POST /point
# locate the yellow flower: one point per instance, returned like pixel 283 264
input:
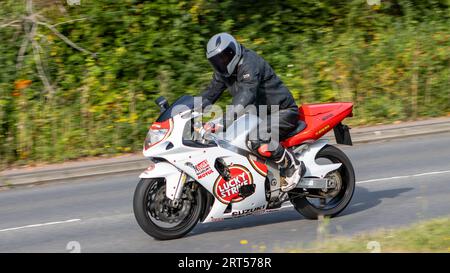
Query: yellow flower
pixel 244 242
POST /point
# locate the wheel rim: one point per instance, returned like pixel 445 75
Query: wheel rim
pixel 164 216
pixel 334 197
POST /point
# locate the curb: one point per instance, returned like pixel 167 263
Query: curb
pixel 389 132
pixel 68 173
pixel 135 163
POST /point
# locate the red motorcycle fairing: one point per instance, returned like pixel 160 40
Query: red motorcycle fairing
pixel 319 118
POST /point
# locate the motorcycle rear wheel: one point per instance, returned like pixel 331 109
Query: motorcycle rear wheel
pixel 340 200
pixel 142 204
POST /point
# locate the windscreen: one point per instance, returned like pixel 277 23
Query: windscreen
pixel 181 104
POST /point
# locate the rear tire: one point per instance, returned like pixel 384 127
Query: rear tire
pixel 309 210
pixel 141 211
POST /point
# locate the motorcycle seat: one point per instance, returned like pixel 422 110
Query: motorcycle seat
pixel 301 125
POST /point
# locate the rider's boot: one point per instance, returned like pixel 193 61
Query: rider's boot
pixel 293 170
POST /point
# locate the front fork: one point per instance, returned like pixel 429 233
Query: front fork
pixel 179 188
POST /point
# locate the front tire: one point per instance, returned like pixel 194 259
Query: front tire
pixel 337 203
pixel 166 227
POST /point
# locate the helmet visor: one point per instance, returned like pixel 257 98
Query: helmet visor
pixel 222 60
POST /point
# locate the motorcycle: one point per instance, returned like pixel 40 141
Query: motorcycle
pixel 194 178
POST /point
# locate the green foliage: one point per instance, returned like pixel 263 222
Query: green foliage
pixel 392 60
pixel 425 237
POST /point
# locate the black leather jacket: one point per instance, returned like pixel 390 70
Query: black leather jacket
pixel 254 82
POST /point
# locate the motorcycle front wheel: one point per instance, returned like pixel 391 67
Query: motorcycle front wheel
pixel 159 217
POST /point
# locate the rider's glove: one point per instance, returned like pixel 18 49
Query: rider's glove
pixel 211 127
pixel 206 128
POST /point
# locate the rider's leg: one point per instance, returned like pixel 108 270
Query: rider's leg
pixel 292 169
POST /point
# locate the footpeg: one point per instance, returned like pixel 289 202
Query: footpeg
pixel 246 190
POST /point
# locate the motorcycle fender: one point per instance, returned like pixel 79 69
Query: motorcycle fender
pixel 312 168
pixel 170 173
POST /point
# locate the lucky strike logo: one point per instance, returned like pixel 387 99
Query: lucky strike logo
pixel 228 191
pixel 202 169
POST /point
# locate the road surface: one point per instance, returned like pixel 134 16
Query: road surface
pixel 399 182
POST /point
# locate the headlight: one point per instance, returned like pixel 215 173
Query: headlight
pixel 154 136
pixel 158 132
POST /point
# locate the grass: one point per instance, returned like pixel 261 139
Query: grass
pixel 428 236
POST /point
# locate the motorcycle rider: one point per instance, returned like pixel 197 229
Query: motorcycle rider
pixel 252 81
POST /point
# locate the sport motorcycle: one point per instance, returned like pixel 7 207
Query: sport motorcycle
pixel 195 176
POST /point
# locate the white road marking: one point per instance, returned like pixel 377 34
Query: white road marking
pixel 402 177
pixel 388 178
pixel 283 207
pixel 41 225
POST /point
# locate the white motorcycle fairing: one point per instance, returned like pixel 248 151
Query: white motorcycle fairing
pixel 183 163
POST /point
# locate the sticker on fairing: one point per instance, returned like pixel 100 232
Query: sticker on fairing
pixel 203 169
pixel 228 191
